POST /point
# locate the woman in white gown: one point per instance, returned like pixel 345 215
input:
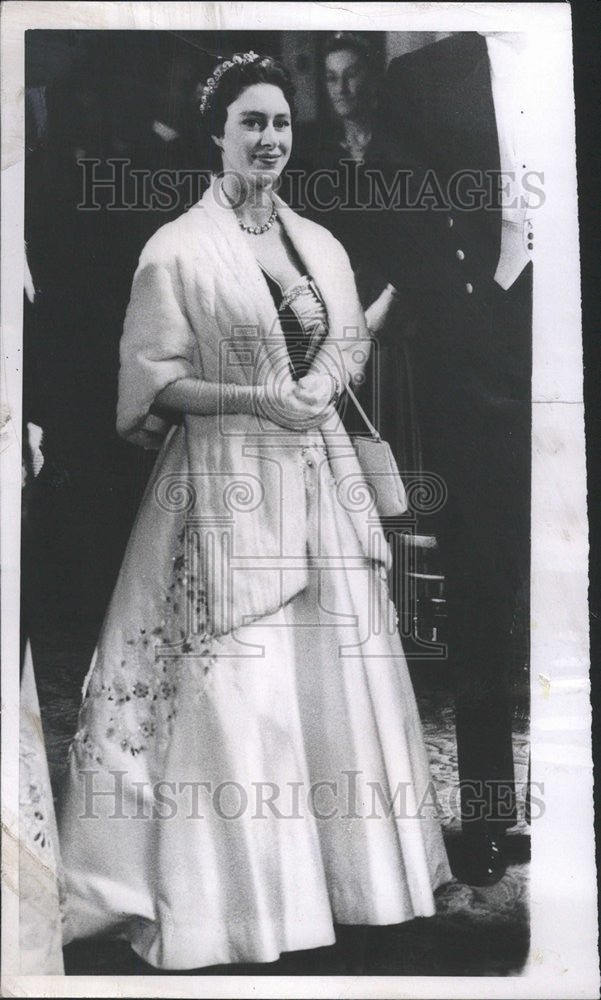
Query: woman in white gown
pixel 249 767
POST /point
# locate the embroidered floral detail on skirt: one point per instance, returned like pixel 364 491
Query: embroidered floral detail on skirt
pixel 136 680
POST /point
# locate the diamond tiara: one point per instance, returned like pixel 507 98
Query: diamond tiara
pixel 239 59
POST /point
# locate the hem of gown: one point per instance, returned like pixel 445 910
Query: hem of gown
pixel 269 955
pixel 264 956
pixel 155 933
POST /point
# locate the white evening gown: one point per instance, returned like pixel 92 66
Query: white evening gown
pixel 264 789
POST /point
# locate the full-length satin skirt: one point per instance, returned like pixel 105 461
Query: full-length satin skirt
pixel 235 805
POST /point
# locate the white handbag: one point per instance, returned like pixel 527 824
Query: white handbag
pixel 379 467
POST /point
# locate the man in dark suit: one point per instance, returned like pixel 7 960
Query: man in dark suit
pixel 463 262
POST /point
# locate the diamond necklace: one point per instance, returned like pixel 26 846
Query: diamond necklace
pixel 254 230
pixel 258 230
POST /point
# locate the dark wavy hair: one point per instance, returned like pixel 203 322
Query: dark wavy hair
pixel 233 82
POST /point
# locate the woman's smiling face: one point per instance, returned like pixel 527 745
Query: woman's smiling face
pixel 257 137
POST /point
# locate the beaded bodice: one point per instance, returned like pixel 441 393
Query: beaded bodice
pixel 303 319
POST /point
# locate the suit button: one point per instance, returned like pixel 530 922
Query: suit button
pixel 460 255
pixel 469 288
pixel 450 221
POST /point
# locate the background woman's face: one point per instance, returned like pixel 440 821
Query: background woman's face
pixel 257 137
pixel 346 82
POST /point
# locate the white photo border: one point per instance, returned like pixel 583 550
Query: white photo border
pixel 563 959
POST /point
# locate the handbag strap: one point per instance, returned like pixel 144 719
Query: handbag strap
pixel 372 430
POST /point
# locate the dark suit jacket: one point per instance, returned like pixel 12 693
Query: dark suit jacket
pixel 472 357
pixel 440 110
pixel 440 113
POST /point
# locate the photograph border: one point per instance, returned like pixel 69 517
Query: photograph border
pixel 563 960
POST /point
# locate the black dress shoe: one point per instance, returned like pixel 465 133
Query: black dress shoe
pixel 482 861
